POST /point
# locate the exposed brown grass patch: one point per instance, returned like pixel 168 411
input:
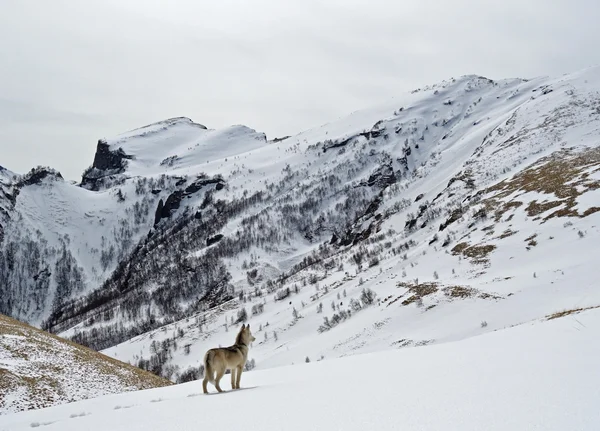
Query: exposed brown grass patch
pixel 564 175
pixel 460 292
pixel 506 234
pixel 477 253
pixel 418 290
pixel 460 247
pixel 531 240
pixel 45 363
pixel 564 313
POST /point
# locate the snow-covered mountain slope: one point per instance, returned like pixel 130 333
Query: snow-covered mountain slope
pixel 466 207
pixel 540 375
pixel 38 370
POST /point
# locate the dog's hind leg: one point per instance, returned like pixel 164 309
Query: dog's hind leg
pixel 218 380
pixel 233 378
pixel 239 376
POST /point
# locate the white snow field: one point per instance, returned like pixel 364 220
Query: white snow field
pixel 536 376
pixel 488 324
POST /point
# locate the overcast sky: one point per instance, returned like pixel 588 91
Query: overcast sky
pixel 72 72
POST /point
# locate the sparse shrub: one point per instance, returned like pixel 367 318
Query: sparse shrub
pixel 281 294
pixel 257 309
pixel 307 360
pixel 367 296
pixel 436 275
pixel 484 324
pixel 242 316
pixel 355 305
pixel 581 234
pixel 249 365
pixel 374 261
pixel 191 374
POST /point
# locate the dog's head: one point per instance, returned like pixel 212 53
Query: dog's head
pixel 247 334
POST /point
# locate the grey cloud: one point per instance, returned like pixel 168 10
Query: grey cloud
pixel 72 72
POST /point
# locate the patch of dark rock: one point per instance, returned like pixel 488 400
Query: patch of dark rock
pixel 213 240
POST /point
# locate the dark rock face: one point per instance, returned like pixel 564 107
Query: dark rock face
pixel 164 210
pixel 275 140
pixel 383 177
pixel 159 211
pixel 106 163
pixel 200 183
pixel 213 240
pixel 106 159
pixel 171 204
pixel 375 132
pixel 455 215
pixel 37 175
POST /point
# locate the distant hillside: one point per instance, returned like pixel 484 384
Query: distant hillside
pixel 460 208
pixel 38 369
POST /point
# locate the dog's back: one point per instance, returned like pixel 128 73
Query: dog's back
pixel 221 359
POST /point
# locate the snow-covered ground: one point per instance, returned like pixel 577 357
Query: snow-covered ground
pixel 502 182
pixel 540 375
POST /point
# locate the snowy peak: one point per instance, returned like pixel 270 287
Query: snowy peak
pixel 176 146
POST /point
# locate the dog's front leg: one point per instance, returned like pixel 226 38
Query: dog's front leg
pixel 239 375
pixel 233 378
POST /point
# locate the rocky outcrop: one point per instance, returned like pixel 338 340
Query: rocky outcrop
pixel 107 162
pixel 382 177
pixel 166 208
pixel 214 239
pixel 105 159
pixel 37 175
pixel 376 131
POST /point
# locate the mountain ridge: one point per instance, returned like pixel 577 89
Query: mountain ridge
pixel 180 226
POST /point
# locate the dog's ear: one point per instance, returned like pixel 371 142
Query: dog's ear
pixel 243 326
pixel 248 327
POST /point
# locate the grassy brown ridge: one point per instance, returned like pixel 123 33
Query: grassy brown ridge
pixel 39 369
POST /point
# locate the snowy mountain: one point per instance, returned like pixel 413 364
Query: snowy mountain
pixel 455 210
pixel 38 370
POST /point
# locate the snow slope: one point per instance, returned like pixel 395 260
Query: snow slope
pixel 540 375
pixel 467 207
pixel 541 258
pixel 38 369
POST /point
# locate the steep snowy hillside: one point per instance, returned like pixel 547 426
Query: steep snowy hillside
pixel 6 182
pixel 534 376
pixel 38 370
pixel 457 209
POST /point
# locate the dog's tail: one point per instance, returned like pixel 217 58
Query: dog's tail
pixel 209 373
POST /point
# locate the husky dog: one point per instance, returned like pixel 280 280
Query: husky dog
pixel 227 358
